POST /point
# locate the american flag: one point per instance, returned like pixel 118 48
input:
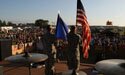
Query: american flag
pixel 86 33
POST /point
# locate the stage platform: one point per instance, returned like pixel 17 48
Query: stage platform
pixel 22 69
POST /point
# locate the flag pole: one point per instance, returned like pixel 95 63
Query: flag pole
pixel 86 34
pixel 76 14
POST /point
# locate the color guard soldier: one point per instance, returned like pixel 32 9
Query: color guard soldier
pixel 48 42
pixel 74 41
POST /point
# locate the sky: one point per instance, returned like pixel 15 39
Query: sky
pixel 97 11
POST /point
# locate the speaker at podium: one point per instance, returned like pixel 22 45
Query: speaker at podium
pixel 5 48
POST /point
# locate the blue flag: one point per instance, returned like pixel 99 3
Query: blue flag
pixel 61 29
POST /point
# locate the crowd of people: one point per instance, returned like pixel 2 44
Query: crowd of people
pixel 101 47
pixel 19 36
pixel 106 47
pixel 22 36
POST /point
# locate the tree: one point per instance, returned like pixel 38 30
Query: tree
pixel 9 23
pixel 4 23
pixel 109 22
pixel 0 23
pixel 41 23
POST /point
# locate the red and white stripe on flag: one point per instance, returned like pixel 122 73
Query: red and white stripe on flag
pixel 86 33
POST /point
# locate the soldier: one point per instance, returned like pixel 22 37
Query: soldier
pixel 73 50
pixel 48 42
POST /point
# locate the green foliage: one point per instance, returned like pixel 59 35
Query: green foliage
pixel 4 23
pixel 0 23
pixel 9 23
pixel 41 23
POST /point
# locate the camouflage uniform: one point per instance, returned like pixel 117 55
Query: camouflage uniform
pixel 48 43
pixel 73 51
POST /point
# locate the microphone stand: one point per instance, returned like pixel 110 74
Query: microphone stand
pixel 26 53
